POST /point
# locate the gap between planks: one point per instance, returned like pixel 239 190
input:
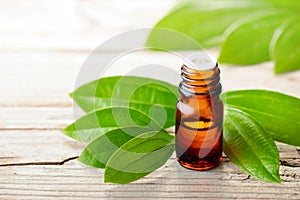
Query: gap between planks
pixel 40 163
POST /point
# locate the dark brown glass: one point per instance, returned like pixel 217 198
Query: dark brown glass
pixel 199 118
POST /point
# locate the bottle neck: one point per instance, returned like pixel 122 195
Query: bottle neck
pixel 200 82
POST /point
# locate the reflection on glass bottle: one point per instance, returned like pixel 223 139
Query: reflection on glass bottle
pixel 199 118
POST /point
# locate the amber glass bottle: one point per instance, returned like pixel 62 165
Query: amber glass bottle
pixel 199 118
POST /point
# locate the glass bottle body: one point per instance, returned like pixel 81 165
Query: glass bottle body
pixel 199 118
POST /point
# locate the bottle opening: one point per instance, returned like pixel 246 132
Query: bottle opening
pixel 201 61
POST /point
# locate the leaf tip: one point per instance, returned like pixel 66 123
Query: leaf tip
pixel 107 179
pixel 80 159
pixel 71 94
pixel 68 132
pixel 64 131
pixel 277 179
pixel 274 178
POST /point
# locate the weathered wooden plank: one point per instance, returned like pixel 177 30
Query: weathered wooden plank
pixel 173 181
pixel 73 180
pixel 28 133
pixel 38 78
pixel 46 79
pixel 43 180
pixel 36 146
pixel 171 172
pixel 35 117
pixel 37 75
pixel 260 76
pixel 154 194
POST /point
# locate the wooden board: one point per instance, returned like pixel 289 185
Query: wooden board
pixel 72 180
pixel 43 45
pixel 37 161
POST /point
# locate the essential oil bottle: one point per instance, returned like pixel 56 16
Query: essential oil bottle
pixel 199 117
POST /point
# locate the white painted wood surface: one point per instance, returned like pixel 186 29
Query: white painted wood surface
pixel 43 44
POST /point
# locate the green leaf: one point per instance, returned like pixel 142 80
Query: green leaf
pixel 246 38
pixel 290 5
pixel 136 92
pixel 247 41
pixel 139 157
pixel 285 46
pixel 204 21
pixel 98 152
pixel 249 146
pixel 278 113
pixel 100 121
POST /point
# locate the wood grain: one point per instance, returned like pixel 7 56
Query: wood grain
pixel 171 181
pixel 46 79
pixel 33 165
pixel 46 180
pixel 43 46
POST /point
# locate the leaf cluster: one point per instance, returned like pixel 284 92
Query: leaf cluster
pixel 126 121
pixel 248 31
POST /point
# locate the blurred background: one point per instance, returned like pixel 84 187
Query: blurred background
pixel 44 44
